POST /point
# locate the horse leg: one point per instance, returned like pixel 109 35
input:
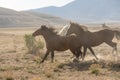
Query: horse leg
pixel 73 52
pixel 79 53
pixel 84 53
pixel 115 54
pixel 114 50
pixel 114 46
pixel 47 52
pixel 93 52
pixel 52 56
pixel 76 53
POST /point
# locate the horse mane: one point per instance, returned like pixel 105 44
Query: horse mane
pixel 52 30
pixel 84 28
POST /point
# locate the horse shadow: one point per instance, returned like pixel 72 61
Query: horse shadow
pixel 79 66
pixel 115 67
pixel 86 65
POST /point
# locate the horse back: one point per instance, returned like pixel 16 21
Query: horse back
pixel 97 38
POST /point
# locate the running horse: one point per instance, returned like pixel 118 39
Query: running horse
pixel 55 42
pixel 91 39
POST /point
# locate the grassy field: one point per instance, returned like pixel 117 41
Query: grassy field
pixel 17 64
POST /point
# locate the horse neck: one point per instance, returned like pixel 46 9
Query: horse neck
pixel 47 36
pixel 78 30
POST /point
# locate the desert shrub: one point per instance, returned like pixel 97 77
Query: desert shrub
pixel 95 71
pixel 40 44
pixel 95 68
pixel 61 66
pixel 32 45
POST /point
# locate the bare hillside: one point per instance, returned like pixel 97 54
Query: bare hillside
pixel 11 18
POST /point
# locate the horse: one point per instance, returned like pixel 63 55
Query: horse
pixel 55 42
pixel 91 39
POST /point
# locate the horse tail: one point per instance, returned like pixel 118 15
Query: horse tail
pixel 117 34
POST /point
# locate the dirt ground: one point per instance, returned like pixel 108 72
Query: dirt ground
pixel 16 64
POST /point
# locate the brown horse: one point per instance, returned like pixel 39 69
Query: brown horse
pixel 57 42
pixel 91 39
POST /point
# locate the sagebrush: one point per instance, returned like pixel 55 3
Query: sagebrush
pixel 32 45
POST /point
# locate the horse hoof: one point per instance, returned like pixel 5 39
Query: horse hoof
pixel 75 60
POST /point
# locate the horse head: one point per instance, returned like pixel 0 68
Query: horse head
pixel 76 29
pixel 39 31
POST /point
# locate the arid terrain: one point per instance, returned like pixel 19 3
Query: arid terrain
pixel 17 64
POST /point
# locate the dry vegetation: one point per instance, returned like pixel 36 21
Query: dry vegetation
pixel 17 64
pixel 32 45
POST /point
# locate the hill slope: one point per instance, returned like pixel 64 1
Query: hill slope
pixel 11 18
pixel 86 10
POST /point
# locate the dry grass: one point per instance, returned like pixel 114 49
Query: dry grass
pixel 32 45
pixel 16 65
